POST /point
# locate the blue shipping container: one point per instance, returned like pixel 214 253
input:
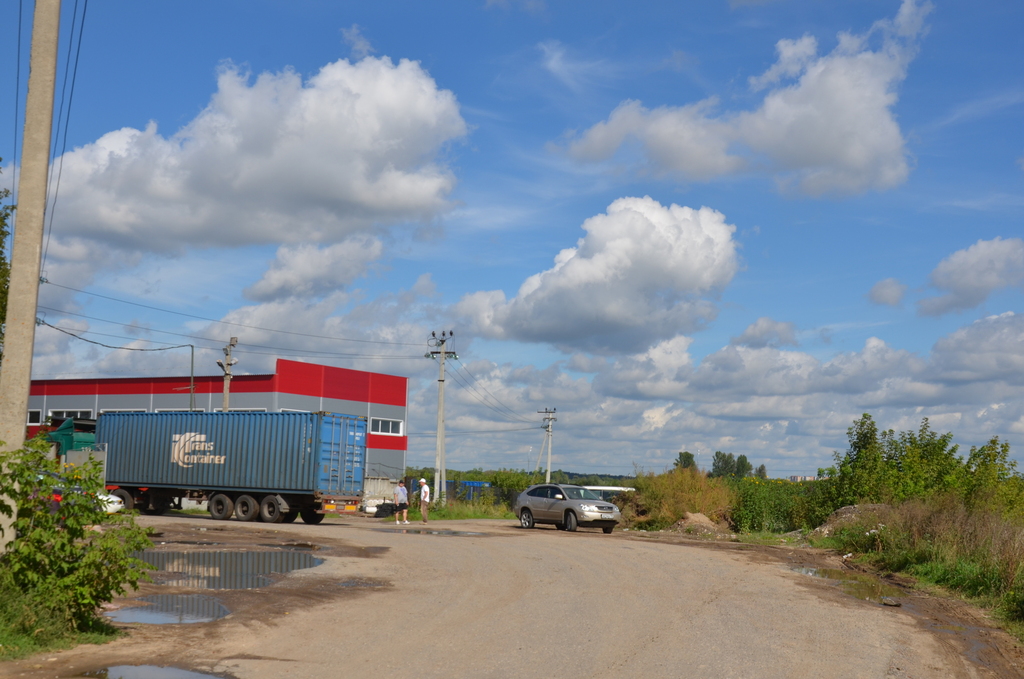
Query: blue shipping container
pixel 242 451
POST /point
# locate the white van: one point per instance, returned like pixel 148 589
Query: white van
pixel 608 492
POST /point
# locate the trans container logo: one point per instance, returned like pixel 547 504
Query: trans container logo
pixel 192 448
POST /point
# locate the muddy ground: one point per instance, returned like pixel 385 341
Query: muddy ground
pixel 494 600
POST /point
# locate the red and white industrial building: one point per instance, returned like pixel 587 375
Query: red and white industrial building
pixel 294 386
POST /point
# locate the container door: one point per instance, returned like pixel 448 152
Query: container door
pixel 342 454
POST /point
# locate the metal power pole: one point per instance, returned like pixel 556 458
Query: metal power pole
pixel 439 352
pixel 549 419
pixel 26 255
pixel 225 365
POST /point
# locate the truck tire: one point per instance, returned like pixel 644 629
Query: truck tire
pixel 127 498
pixel 290 516
pixel 221 506
pixel 273 509
pixel 246 508
pixel 310 516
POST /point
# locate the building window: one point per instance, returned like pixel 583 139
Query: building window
pixel 35 417
pixel 179 410
pixel 76 414
pixel 241 410
pixel 293 410
pixel 388 427
pixel 121 410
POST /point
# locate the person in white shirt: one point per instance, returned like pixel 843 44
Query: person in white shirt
pixel 424 498
pixel 401 502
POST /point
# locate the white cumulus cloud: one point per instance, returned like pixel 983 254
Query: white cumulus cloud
pixel 307 270
pixel 765 332
pixel 641 274
pixel 271 160
pixel 888 292
pixel 969 276
pixel 831 131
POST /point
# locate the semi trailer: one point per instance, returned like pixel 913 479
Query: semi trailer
pixel 272 467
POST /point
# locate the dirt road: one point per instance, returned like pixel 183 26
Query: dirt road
pixel 515 603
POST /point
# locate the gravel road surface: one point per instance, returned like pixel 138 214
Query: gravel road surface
pixel 520 603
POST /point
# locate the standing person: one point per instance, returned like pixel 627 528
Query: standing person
pixel 424 498
pixel 401 502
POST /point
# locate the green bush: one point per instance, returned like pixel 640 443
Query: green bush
pixel 661 500
pixel 68 557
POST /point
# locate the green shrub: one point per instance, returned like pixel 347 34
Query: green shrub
pixel 67 557
pixel 661 500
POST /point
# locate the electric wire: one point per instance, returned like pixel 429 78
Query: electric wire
pixel 283 351
pixel 240 325
pixel 469 389
pixel 471 431
pixel 108 346
pixel 67 116
pixel 476 382
pixel 14 158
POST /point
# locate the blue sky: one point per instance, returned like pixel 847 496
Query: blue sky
pixel 727 226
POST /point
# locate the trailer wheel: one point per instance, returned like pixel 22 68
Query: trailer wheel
pixel 221 507
pixel 310 516
pixel 246 508
pixel 290 516
pixel 272 509
pixel 126 498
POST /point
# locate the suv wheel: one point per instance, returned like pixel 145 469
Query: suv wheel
pixel 526 518
pixel 570 522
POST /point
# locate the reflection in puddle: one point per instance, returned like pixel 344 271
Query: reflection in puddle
pixel 145 672
pixel 224 570
pixel 308 546
pixel 426 531
pixel 857 584
pixel 171 609
pixel 363 583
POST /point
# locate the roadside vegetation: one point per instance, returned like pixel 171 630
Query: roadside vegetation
pixel 945 518
pixel 67 557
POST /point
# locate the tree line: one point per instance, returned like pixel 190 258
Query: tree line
pixel 723 465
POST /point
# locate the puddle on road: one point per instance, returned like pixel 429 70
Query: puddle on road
pixel 307 546
pixel 426 531
pixel 363 583
pixel 224 570
pixel 146 672
pixel 171 609
pixel 856 584
pixel 204 543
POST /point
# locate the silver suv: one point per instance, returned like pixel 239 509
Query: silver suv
pixel 565 506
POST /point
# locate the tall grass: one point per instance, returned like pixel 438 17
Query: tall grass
pixel 975 550
pixel 661 499
pixel 458 510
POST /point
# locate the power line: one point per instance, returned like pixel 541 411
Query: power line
pixel 475 394
pixel 239 325
pixel 472 431
pixel 60 111
pixel 17 104
pixel 108 346
pixel 304 353
pixel 462 367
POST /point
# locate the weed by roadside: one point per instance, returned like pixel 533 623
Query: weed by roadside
pixel 460 510
pixel 661 500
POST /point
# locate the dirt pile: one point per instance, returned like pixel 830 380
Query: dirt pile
pixel 699 525
pixel 845 515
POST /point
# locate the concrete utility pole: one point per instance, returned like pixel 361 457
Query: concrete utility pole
pixel 439 352
pixel 225 365
pixel 23 290
pixel 549 437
